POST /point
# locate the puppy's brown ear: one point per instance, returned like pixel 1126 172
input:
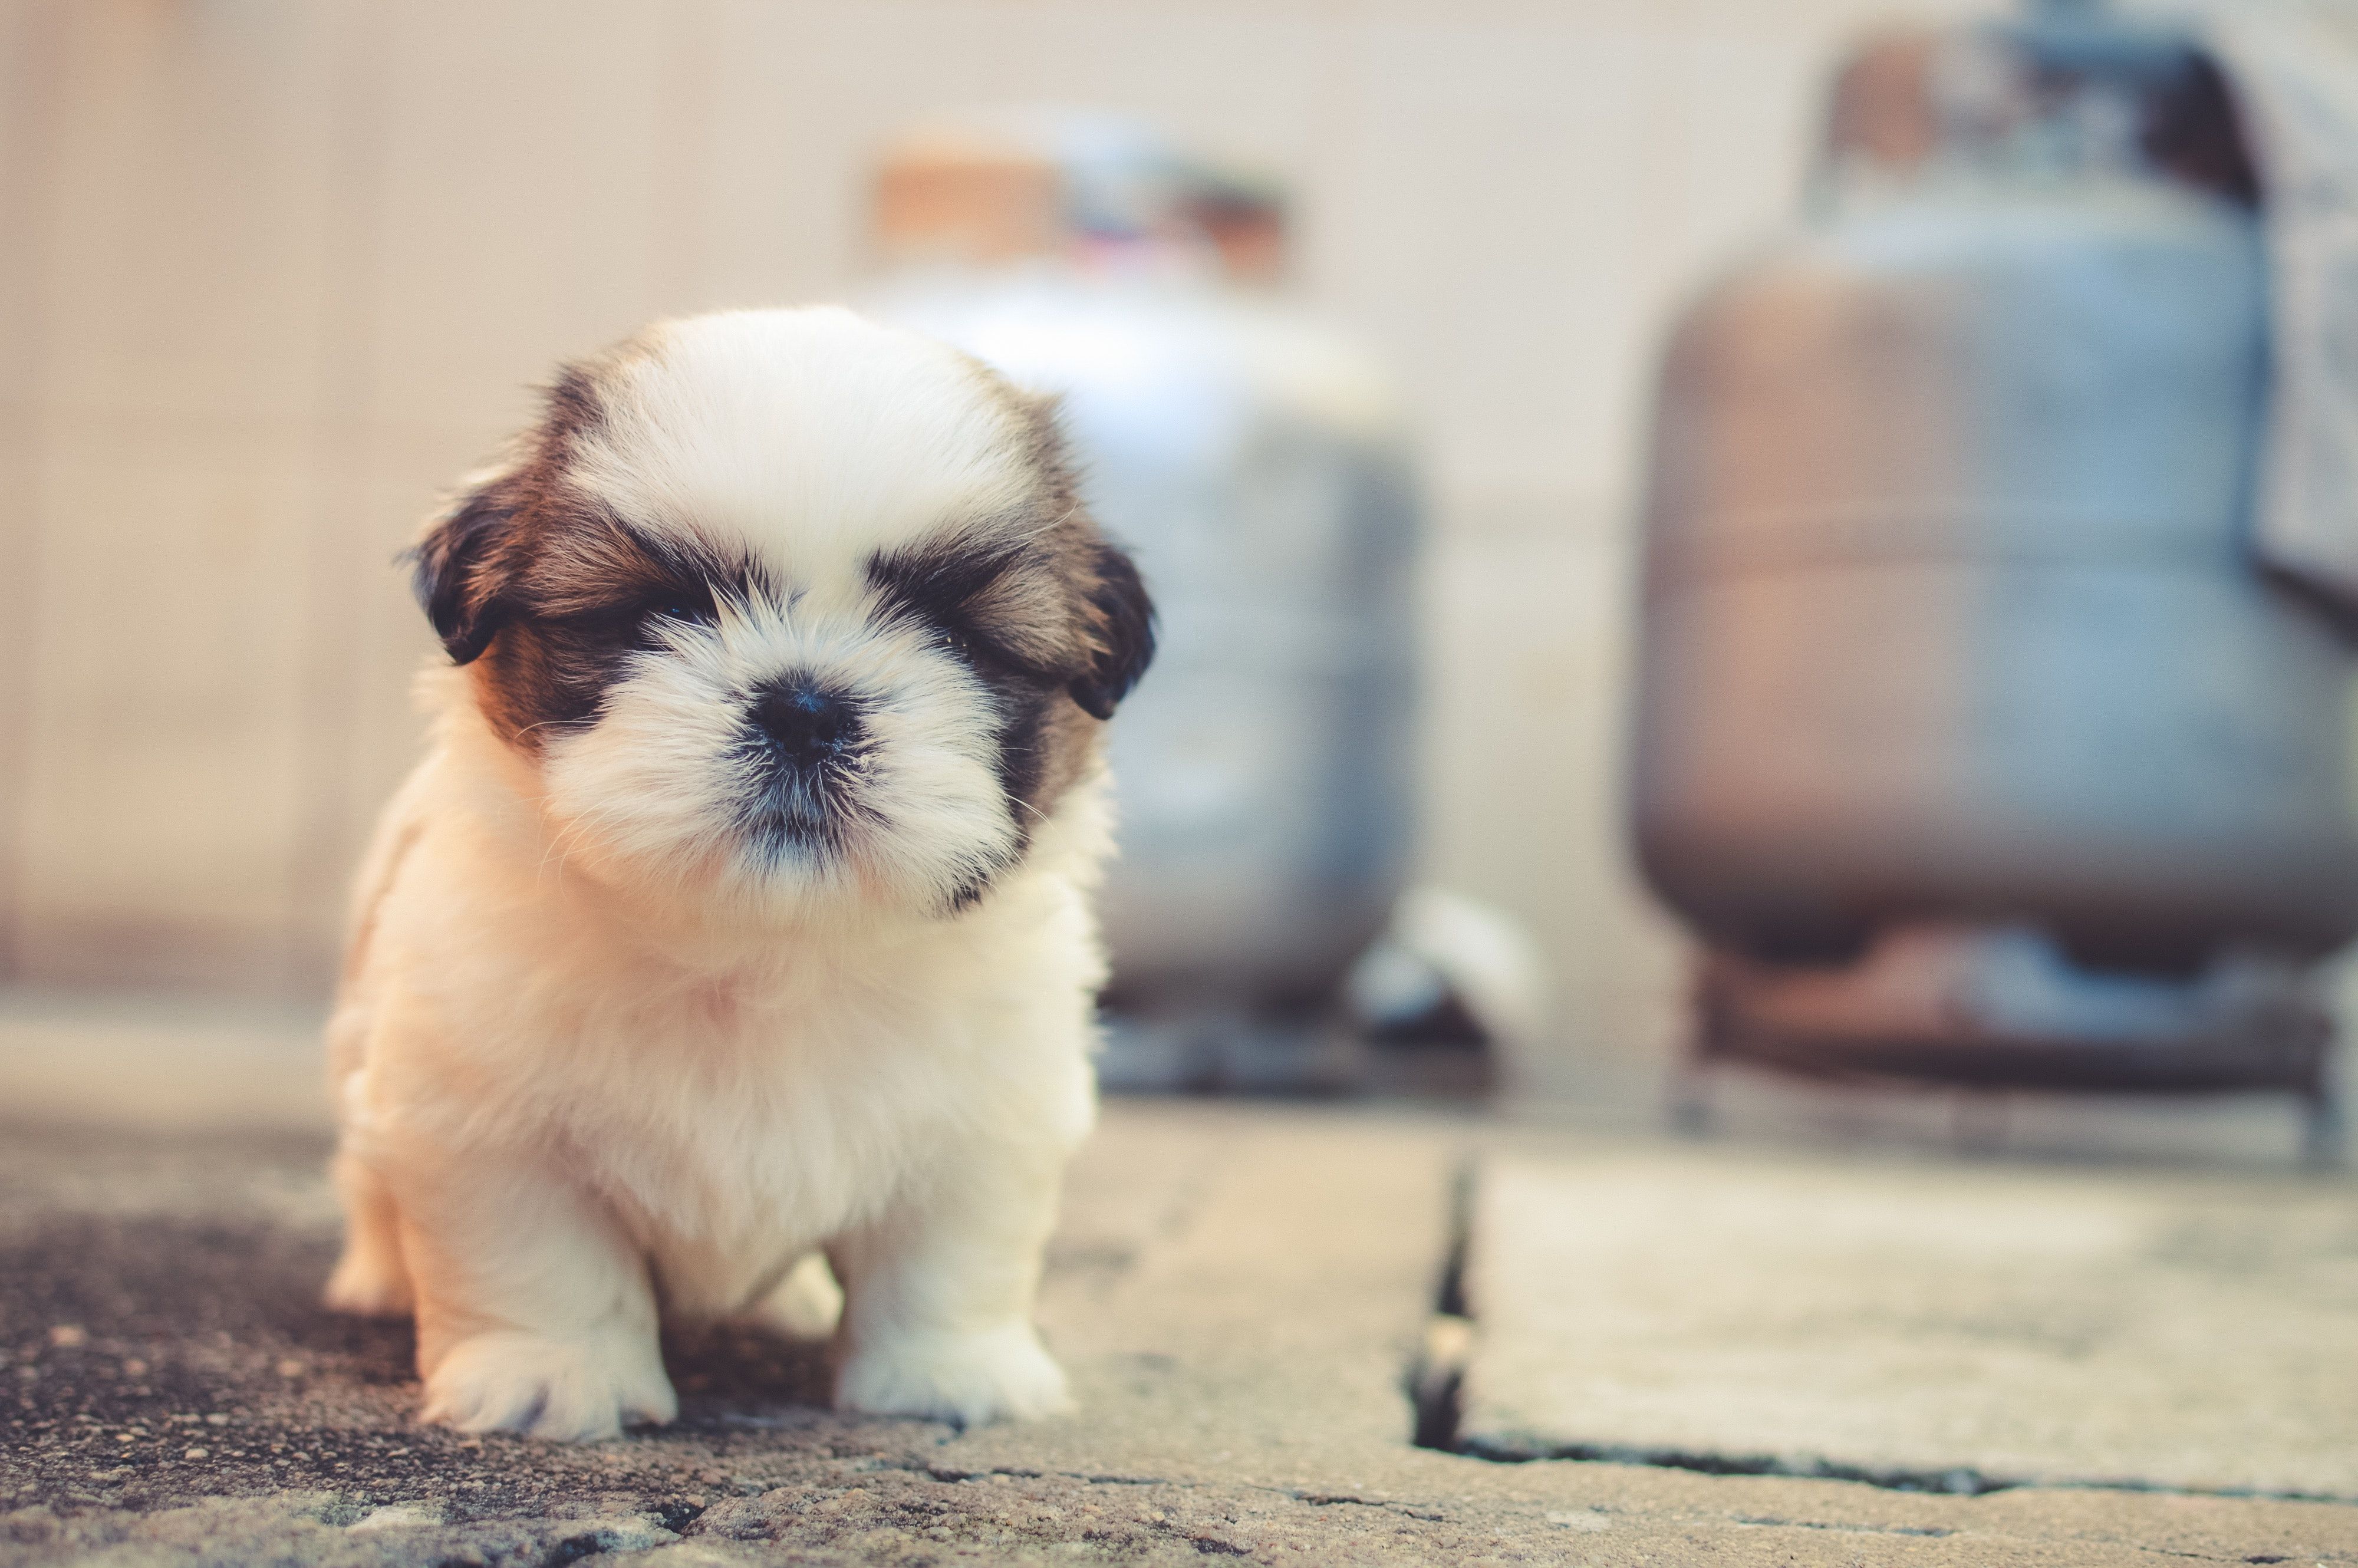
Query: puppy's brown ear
pixel 456 569
pixel 1118 614
pixel 1121 633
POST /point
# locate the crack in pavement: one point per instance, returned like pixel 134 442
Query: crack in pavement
pixel 1959 1481
pixel 950 1472
pixel 1931 1530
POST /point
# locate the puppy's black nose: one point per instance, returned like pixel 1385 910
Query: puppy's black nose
pixel 807 723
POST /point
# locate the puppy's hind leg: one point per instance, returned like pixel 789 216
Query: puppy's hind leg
pixel 806 1304
pixel 370 1278
pixel 534 1312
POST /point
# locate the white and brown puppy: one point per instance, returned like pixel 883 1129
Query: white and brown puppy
pixel 739 909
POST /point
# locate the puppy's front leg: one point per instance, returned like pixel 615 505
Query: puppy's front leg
pixel 937 1308
pixel 534 1311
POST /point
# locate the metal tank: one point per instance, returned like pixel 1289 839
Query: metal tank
pixel 1971 738
pixel 1257 462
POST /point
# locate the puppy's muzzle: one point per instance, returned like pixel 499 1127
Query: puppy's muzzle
pixel 804 725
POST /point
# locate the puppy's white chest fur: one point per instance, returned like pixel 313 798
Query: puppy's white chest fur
pixel 735 1120
pixel 729 1111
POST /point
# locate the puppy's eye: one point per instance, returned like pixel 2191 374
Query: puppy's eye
pixel 648 627
pixel 691 611
pixel 965 646
pixel 980 651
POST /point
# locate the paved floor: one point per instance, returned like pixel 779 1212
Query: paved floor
pixel 1238 1293
pixel 1964 1323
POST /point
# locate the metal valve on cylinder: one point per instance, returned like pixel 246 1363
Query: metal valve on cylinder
pixel 1973 740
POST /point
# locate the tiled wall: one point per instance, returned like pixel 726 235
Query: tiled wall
pixel 274 270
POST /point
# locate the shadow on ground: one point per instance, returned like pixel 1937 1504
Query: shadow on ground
pixel 149 1359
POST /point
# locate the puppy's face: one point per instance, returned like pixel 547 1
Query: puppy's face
pixel 790 610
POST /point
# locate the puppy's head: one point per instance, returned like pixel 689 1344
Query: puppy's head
pixel 792 609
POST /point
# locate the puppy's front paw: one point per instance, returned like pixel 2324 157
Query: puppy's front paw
pixel 572 1391
pixel 965 1377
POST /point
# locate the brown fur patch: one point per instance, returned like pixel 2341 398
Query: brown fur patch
pixel 546 593
pixel 1044 609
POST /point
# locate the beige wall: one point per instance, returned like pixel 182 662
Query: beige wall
pixel 274 270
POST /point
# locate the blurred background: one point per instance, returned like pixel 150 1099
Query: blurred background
pixel 1718 557
pixel 276 272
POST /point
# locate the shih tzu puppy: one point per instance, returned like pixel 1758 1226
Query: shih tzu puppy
pixel 740 911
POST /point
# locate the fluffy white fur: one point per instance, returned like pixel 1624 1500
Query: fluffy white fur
pixel 592 1054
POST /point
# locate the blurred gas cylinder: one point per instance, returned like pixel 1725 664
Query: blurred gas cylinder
pixel 1258 464
pixel 1971 737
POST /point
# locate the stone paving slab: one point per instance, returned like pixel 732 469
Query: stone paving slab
pixel 1235 1291
pixel 1949 1322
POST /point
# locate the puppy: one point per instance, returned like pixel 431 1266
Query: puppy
pixel 739 909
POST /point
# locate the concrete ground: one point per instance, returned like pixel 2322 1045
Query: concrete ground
pixel 1917 1319
pixel 1242 1295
